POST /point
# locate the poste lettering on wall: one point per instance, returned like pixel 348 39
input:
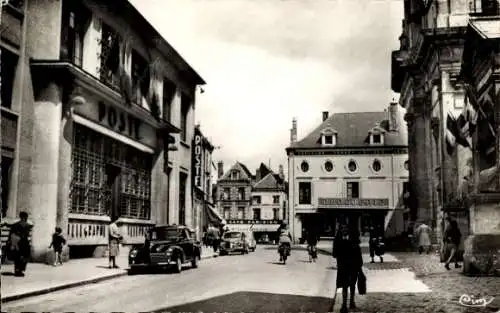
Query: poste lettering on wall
pixel 197 160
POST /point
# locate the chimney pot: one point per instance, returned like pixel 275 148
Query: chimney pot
pixel 393 116
pixel 293 132
pixel 325 115
pixel 220 169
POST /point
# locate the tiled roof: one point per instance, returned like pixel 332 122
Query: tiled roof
pixel 245 168
pixel 268 182
pixel 353 130
pixel 240 167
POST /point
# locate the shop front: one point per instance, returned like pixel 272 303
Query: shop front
pixel 265 231
pixel 360 212
pixel 107 163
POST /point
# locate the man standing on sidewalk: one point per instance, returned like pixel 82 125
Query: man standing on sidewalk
pixel 19 244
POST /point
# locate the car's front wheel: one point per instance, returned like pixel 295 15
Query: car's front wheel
pixel 178 265
pixel 194 263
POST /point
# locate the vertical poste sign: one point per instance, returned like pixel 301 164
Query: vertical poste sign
pixel 197 160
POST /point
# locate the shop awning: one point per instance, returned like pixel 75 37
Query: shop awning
pixel 213 217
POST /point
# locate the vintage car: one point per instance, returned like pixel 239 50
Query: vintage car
pixel 250 238
pixel 167 247
pixel 234 241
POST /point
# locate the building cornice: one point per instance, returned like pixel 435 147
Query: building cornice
pixel 348 151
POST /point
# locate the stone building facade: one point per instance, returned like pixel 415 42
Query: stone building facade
pixel 352 164
pixel 248 201
pixel 426 72
pixel 105 112
pixel 204 211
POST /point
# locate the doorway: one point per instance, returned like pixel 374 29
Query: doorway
pixel 6 175
pixel 113 186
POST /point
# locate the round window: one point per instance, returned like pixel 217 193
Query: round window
pixel 304 166
pixel 376 165
pixel 406 165
pixel 328 166
pixel 352 166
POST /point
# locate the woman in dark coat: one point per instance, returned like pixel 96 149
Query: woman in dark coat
pixel 347 251
pixel 452 237
pixel 19 244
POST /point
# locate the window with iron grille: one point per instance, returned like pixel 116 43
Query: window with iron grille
pixel 90 191
pixel 109 56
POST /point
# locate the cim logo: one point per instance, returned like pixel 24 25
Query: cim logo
pixel 472 301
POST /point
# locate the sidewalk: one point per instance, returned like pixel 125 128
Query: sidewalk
pixel 42 278
pixel 446 286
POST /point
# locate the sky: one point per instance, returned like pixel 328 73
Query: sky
pixel 268 61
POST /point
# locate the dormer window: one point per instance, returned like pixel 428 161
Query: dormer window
pixel 235 175
pixel 377 135
pixel 328 137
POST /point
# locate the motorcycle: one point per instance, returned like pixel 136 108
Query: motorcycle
pixel 313 253
pixel 284 251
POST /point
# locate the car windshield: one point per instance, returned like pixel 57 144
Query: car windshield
pixel 164 233
pixel 232 235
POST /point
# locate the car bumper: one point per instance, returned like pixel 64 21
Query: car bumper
pixel 232 249
pixel 134 264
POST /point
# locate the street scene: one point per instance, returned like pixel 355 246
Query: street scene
pixel 243 156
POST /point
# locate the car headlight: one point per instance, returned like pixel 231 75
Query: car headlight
pixel 169 251
pixel 133 253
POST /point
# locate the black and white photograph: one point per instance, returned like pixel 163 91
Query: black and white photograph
pixel 250 156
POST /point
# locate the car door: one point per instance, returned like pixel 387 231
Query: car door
pixel 187 244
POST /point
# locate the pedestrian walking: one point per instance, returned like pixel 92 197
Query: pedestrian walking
pixel 312 242
pixel 423 235
pixel 115 238
pixel 452 237
pixel 216 239
pixel 18 244
pixel 376 244
pixel 57 244
pixel 347 251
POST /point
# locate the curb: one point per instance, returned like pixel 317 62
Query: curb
pixel 71 285
pixel 60 287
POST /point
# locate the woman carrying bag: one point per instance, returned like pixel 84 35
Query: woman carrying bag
pixel 347 251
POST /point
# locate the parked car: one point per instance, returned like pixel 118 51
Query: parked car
pixel 250 238
pixel 234 241
pixel 168 247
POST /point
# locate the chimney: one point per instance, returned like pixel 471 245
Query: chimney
pixel 293 131
pixel 281 172
pixel 257 175
pixel 220 169
pixel 393 117
pixel 325 115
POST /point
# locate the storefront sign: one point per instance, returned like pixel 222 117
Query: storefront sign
pixel 353 203
pixel 119 121
pixel 197 160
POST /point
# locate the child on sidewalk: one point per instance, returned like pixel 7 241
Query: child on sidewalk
pixel 57 243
